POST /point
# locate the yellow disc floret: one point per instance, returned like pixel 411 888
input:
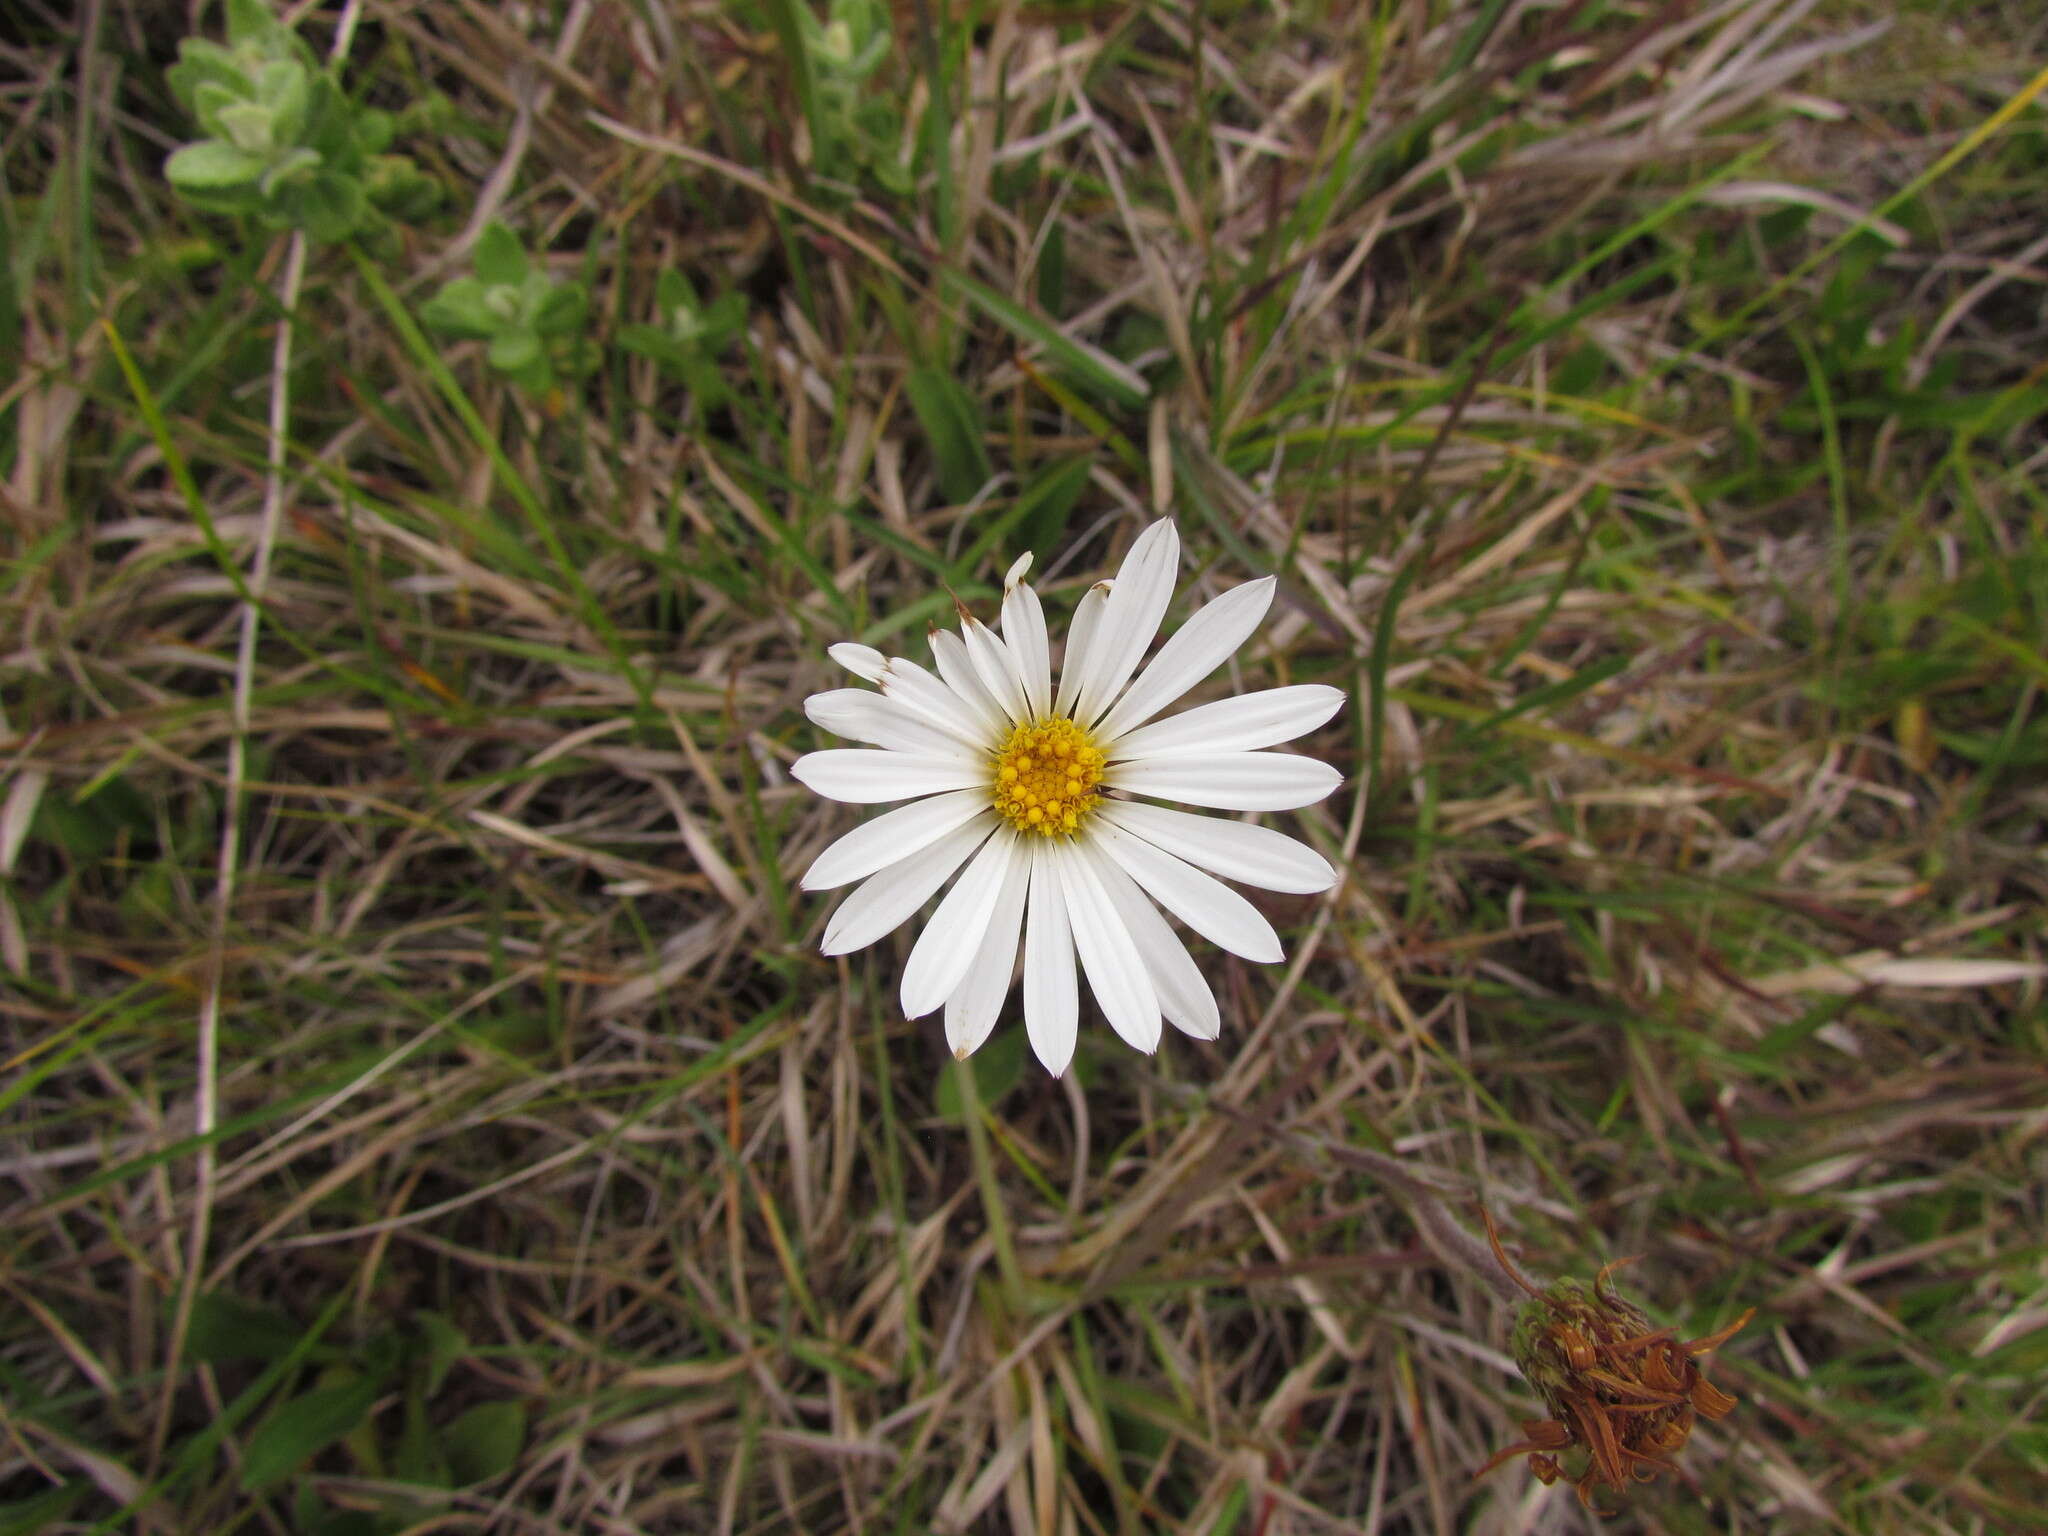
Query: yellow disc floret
pixel 1046 777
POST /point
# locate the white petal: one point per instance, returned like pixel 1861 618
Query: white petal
pixel 1144 586
pixel 892 836
pixel 1251 720
pixel 1184 997
pixel 1080 636
pixel 1116 974
pixel 1016 571
pixel 996 667
pixel 1229 781
pixel 1197 648
pixel 942 953
pixel 863 661
pixel 861 777
pixel 861 715
pixel 932 701
pixel 881 905
pixel 1024 630
pixel 1201 901
pixel 949 654
pixel 1051 994
pixel 971 1010
pixel 1249 855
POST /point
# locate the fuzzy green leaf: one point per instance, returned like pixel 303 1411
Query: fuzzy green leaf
pixel 500 260
pixel 326 206
pixel 201 64
pixel 212 166
pixel 250 21
pixel 460 309
pixel 512 350
pixel 562 310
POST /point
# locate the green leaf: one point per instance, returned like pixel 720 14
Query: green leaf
pixel 284 87
pixel 209 99
pixel 949 418
pixel 460 308
pixel 1052 271
pixel 445 1344
pixel 326 206
pixel 1090 366
pixel 723 316
pixel 302 1429
pixel 204 64
pixel 211 166
pixel 485 1442
pixel 88 825
pixel 536 378
pixel 562 309
pixel 672 290
pixel 418 1456
pixel 513 350
pixel 226 1328
pixel 651 341
pixel 374 128
pixel 295 164
pixel 500 259
pixel 705 382
pixel 250 21
pixel 398 187
pixel 250 126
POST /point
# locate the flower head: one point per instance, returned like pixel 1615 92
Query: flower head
pixel 1028 793
pixel 1623 1392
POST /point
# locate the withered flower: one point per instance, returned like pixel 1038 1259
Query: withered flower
pixel 1623 1392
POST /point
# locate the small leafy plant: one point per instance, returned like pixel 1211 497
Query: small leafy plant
pixel 691 335
pixel 283 143
pixel 393 1407
pixel 532 323
pixel 855 129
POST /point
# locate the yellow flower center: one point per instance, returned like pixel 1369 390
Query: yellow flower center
pixel 1046 777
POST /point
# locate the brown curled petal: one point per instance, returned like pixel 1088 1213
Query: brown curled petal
pixel 1500 1255
pixel 1587 1485
pixel 1601 1443
pixel 1600 1292
pixel 1578 1349
pixel 1631 1392
pixel 1660 1375
pixel 1671 1438
pixel 1639 1344
pixel 1507 1454
pixel 1717 1339
pixel 1541 1435
pixel 1711 1400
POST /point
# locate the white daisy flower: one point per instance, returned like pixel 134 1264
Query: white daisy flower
pixel 1026 792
